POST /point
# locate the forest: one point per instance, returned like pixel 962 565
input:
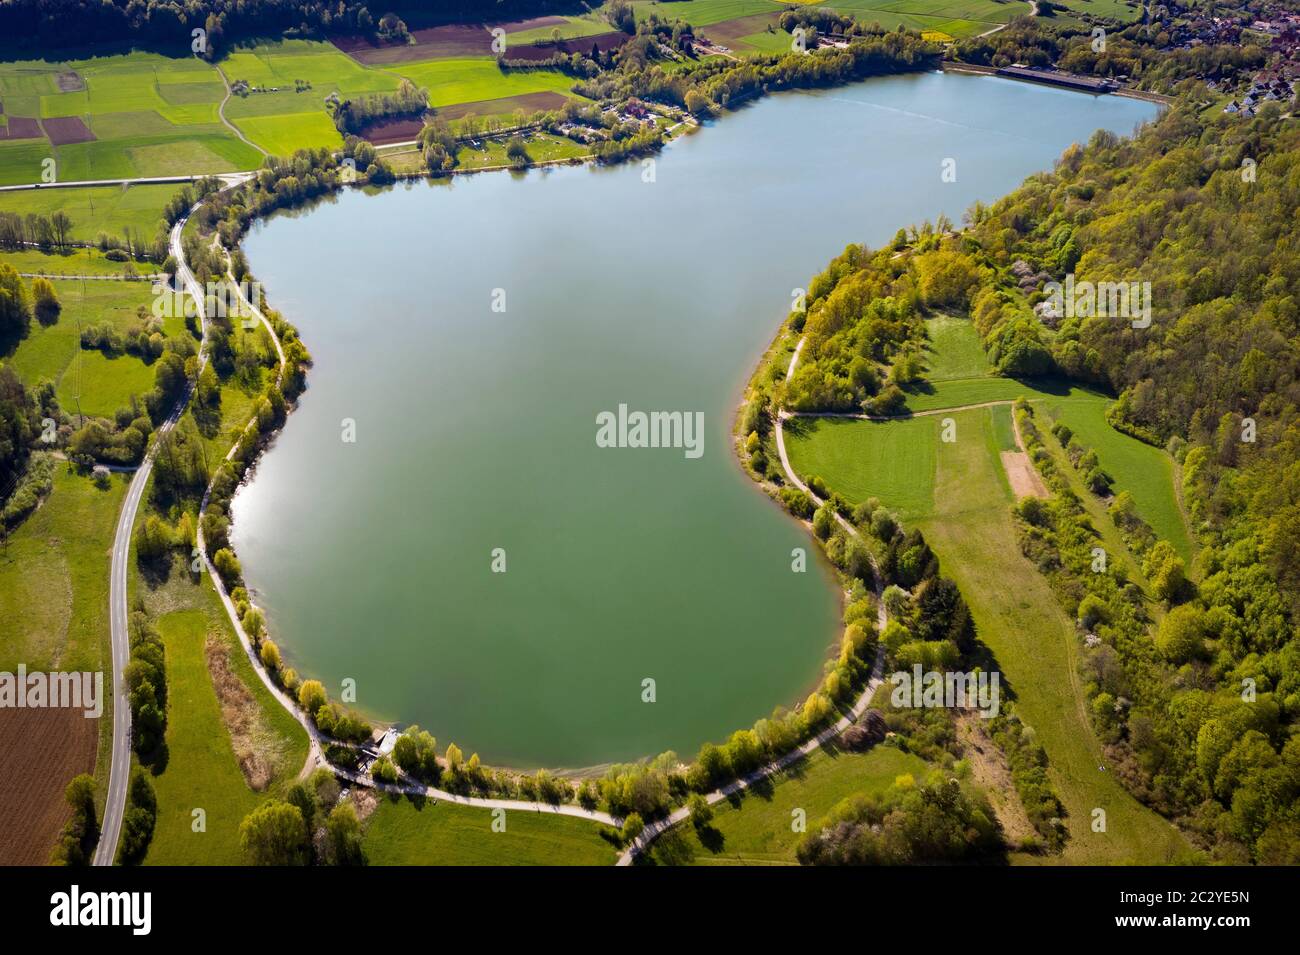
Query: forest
pixel 37 24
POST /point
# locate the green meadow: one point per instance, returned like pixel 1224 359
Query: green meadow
pixel 960 18
pixel 86 381
pixel 425 832
pixel 701 13
pixel 891 460
pixel 95 209
pixel 54 577
pixel 54 584
pixel 959 392
pixel 953 350
pixel 74 262
pixel 470 79
pixel 541 148
pixel 775 41
pixel 588 24
pixel 1144 471
pixel 201 770
pixel 757 827
pixel 281 63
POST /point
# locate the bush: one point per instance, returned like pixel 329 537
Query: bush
pixel 797 502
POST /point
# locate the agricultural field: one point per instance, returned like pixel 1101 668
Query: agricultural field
pixel 142 114
pixel 957 18
pixel 96 209
pixel 406 832
pixel 961 18
pixel 53 612
pixel 970 527
pixel 120 116
pixel 755 828
pixel 289 80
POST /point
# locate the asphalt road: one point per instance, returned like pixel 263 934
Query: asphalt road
pixel 120 767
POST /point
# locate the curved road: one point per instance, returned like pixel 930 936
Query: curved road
pixel 120 766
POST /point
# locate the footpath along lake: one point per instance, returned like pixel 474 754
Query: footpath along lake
pixel 476 428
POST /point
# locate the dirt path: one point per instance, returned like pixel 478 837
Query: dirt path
pixel 1021 473
pixel 221 112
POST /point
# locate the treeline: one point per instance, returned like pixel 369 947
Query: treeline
pixel 20 426
pixel 46 233
pixel 40 24
pixel 353 115
pixel 145 677
pixel 80 834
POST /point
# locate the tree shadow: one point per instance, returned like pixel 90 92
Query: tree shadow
pixel 711 838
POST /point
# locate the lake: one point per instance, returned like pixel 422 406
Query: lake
pixel 473 331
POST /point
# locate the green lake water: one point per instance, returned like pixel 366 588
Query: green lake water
pixel 476 428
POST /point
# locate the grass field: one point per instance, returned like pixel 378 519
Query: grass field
pixel 588 24
pixel 956 392
pixel 702 13
pixel 96 209
pixel 154 115
pixel 285 116
pixel 541 148
pixel 954 350
pixel 1004 430
pixel 777 41
pixel 467 80
pixel 74 262
pixel 757 829
pixel 54 577
pixel 890 460
pixel 957 18
pixel 1145 472
pixel 201 771
pixel 86 381
pixel 969 526
pixel 281 63
pixel 402 832
pixel 961 18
